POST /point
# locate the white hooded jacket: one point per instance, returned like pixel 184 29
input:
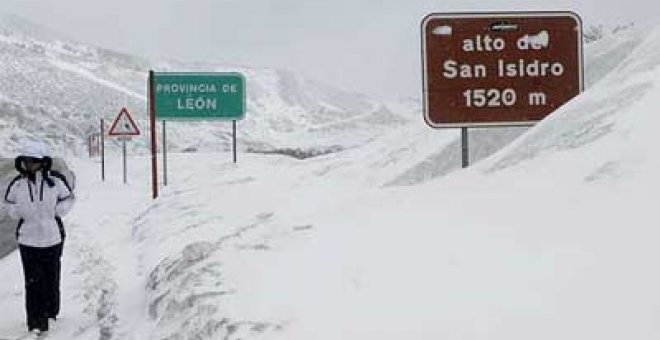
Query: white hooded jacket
pixel 38 204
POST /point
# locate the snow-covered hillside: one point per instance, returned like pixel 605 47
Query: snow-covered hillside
pixel 54 88
pixel 553 237
pixel 66 87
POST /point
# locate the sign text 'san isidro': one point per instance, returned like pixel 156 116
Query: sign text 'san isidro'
pixel 499 69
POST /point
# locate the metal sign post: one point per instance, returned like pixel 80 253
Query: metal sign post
pixel 102 150
pixel 234 139
pixel 123 142
pixel 164 154
pixel 465 150
pixel 152 130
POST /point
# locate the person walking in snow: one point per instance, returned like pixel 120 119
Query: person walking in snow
pixel 38 197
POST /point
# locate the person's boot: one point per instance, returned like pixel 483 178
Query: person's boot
pixel 36 334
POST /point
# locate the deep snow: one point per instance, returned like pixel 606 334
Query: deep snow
pixel 553 237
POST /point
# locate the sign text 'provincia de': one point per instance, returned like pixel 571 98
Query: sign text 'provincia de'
pixel 489 69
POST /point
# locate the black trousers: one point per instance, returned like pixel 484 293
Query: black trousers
pixel 41 269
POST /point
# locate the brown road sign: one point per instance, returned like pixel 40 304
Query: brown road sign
pixel 498 69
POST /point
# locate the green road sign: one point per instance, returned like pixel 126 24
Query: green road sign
pixel 197 96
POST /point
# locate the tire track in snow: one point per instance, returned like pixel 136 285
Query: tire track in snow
pixel 107 277
pixel 97 290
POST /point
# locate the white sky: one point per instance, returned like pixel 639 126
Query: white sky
pixel 367 46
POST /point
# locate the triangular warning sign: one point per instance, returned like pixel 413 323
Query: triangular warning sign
pixel 124 125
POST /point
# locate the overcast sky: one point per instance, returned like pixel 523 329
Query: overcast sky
pixel 368 46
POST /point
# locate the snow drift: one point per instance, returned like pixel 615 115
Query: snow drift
pixel 552 237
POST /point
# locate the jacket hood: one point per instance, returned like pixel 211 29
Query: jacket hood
pixel 34 149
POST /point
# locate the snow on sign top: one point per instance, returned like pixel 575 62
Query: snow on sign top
pixel 124 125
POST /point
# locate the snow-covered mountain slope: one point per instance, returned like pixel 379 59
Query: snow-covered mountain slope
pixel 46 88
pixel 553 237
pixel 49 86
pixel 554 233
pixel 415 153
pixel 601 59
pixel 59 89
pixel 604 55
